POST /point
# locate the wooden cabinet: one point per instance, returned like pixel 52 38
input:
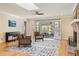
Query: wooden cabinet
pixel 11 36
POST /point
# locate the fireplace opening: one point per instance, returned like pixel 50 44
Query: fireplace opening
pixel 72 41
pixel 75 37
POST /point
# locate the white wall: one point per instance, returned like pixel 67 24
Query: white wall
pixel 66 28
pixel 4 25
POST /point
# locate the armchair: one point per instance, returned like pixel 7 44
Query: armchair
pixel 24 40
pixel 38 36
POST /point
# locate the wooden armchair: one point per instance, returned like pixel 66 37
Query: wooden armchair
pixel 38 36
pixel 24 40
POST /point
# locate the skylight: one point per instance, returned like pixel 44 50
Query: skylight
pixel 28 6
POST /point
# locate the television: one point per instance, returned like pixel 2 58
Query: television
pixel 11 23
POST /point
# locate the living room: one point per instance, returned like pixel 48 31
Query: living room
pixel 16 18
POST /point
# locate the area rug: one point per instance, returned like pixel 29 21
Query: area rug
pixel 39 48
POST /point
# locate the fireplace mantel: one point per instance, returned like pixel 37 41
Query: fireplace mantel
pixel 74 21
pixel 75 25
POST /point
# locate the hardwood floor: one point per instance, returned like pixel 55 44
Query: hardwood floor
pixel 63 49
pixel 3 52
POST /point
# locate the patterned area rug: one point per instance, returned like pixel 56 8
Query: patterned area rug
pixel 40 48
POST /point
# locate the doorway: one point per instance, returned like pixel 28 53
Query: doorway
pixel 47 30
pixel 50 29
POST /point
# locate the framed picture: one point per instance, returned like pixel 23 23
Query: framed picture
pixel 11 23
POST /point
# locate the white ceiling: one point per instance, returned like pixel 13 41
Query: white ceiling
pixel 56 8
pixel 49 9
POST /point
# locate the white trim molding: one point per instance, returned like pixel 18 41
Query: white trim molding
pixel 75 5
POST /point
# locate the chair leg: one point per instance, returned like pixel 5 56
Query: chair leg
pixel 19 45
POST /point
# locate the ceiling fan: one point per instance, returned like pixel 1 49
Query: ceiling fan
pixel 39 13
